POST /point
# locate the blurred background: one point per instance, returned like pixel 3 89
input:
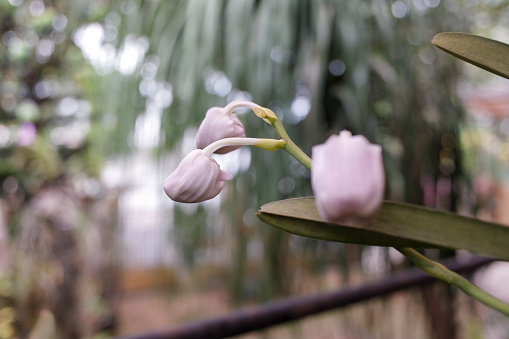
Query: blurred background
pixel 100 100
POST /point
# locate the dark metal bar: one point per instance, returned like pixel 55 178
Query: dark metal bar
pixel 279 312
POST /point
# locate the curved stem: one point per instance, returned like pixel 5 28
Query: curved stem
pixel 237 104
pixel 266 144
pixel 271 118
pixel 228 142
pixel 444 274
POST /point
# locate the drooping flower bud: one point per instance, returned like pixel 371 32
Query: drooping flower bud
pixel 219 124
pixel 196 179
pixel 348 177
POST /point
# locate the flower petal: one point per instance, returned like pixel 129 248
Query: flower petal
pixel 347 176
pixel 197 178
pixel 219 125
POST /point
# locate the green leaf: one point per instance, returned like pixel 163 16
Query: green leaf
pixel 395 225
pixel 490 55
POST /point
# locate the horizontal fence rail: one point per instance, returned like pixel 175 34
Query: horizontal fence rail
pixel 279 312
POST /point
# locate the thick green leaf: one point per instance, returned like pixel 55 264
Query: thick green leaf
pixel 396 224
pixel 490 55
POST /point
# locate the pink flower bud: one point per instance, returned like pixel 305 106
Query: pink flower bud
pixel 197 178
pixel 348 177
pixel 219 124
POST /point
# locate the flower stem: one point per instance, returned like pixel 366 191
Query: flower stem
pixel 266 144
pixel 269 116
pixel 237 104
pixel 444 274
pixel 290 146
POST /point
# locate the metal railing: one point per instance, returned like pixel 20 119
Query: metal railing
pixel 279 312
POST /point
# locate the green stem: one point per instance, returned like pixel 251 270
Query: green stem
pixel 270 117
pixel 266 144
pixel 290 146
pixel 444 274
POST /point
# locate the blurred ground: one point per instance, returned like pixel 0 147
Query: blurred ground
pixel 145 308
pixel 152 309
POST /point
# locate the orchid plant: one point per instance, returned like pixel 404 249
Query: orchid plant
pixel 348 181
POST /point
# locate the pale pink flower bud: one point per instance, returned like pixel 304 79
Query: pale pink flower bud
pixel 348 177
pixel 219 124
pixel 197 178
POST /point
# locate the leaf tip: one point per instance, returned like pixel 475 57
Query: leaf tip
pixel 438 39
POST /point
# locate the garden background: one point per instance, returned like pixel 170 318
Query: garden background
pixel 99 101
